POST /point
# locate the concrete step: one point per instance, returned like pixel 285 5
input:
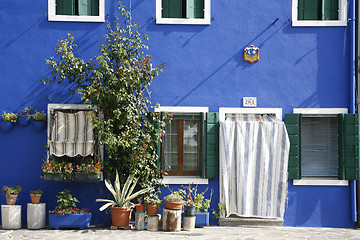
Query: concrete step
pixel 242 221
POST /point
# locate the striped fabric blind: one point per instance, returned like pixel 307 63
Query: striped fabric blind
pixel 254 151
pixel 72 134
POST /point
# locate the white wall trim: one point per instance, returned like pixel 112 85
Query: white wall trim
pixel 320 110
pixel 195 21
pixel 333 23
pixel 184 180
pixel 224 110
pixel 69 18
pixel 184 109
pixel 320 181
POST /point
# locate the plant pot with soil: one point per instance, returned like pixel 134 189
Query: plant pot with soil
pixel 35 196
pixel 11 194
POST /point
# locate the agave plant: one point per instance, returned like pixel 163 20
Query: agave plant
pixel 122 198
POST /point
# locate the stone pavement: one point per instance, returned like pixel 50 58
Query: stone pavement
pixel 212 233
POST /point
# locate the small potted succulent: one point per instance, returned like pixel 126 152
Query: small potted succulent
pixel 66 213
pixel 25 116
pixel 11 194
pixel 173 202
pixel 39 120
pixel 35 196
pixel 8 120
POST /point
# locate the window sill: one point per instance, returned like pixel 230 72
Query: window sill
pixel 184 180
pixel 320 181
pixel 66 18
pixel 310 23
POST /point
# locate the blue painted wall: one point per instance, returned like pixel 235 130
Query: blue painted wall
pixel 298 67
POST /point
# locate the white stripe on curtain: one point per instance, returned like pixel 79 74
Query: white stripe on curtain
pixel 72 134
pixel 254 152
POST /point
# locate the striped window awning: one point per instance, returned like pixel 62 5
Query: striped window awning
pixel 72 134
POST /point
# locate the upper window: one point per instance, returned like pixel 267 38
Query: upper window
pixel 183 12
pixel 76 10
pixel 319 13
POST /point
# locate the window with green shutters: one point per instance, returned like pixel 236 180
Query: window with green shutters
pixel 328 146
pixel 319 13
pixel 76 10
pixel 183 11
pixel 190 146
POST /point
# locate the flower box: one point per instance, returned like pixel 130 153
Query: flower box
pixel 86 177
pixel 69 221
pixel 202 219
pixel 57 177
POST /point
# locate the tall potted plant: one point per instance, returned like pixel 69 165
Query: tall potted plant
pixel 121 206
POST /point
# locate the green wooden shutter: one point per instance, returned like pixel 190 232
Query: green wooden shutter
pixel 293 127
pixel 202 144
pixel 341 157
pixel 195 8
pixel 212 145
pixel 88 7
pixel 351 146
pixel 65 7
pixel 308 9
pixel 330 10
pixel 172 8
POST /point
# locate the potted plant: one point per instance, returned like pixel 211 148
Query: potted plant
pixel 8 120
pixel 11 194
pixel 25 116
pixel 202 204
pixel 173 202
pixel 39 120
pixel 88 172
pixel 121 206
pixel 52 171
pixel 35 196
pixel 140 206
pixel 66 213
pixel 153 204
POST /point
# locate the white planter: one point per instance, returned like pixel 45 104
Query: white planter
pixel 36 215
pixel 11 216
pixel 189 223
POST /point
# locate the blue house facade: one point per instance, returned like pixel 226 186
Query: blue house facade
pixel 305 67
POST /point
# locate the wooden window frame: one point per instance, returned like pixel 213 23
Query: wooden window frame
pixel 180 152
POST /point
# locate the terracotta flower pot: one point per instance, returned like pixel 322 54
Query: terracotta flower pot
pixel 173 205
pixel 11 199
pixel 140 208
pixel 120 216
pixel 152 209
pixel 35 198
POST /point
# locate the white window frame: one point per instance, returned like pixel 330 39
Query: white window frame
pixel 70 18
pixel 319 23
pixel 320 181
pixel 195 21
pixel 183 179
pixel 274 111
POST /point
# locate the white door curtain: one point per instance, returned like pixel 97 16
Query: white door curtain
pixel 254 152
pixel 72 134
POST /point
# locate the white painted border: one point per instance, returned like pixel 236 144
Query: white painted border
pixel 324 111
pixel 323 181
pixel 224 110
pixel 194 21
pixel 68 18
pixel 320 181
pixel 305 23
pixel 184 180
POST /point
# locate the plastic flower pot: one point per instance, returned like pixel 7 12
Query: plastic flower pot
pixel 202 219
pixel 24 119
pixel 69 221
pixel 86 177
pixel 56 177
pixel 6 126
pixel 39 125
pixel 189 211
